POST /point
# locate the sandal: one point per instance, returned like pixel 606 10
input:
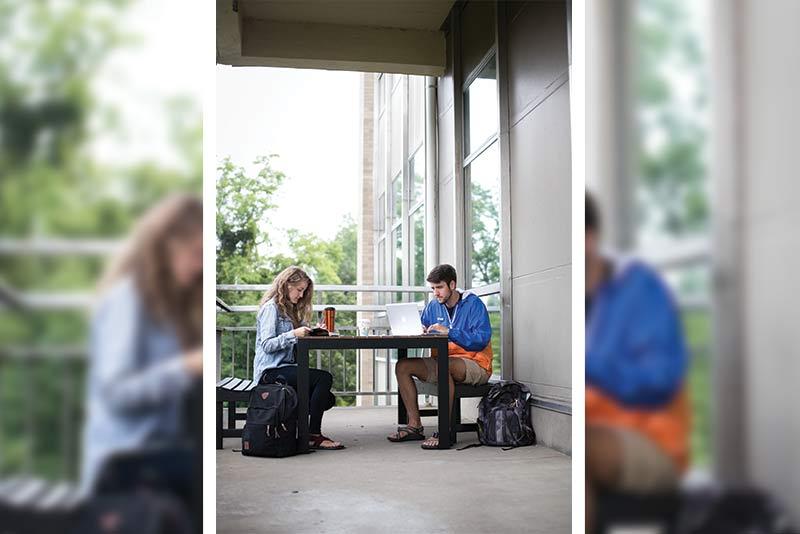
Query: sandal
pixel 407 433
pixel 316 443
pixel 428 446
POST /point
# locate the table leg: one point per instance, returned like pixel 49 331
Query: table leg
pixel 402 414
pixel 302 398
pixel 444 394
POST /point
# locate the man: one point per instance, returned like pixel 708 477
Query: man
pixel 637 415
pixel 465 320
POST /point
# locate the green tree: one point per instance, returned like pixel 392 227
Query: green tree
pixel 485 237
pixel 670 155
pixel 53 186
pixel 245 255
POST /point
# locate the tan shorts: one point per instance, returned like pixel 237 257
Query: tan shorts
pixel 476 375
pixel 645 467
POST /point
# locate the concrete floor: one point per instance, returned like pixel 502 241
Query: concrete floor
pixel 377 486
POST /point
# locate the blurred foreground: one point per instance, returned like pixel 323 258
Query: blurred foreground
pixel 692 129
pixel 100 272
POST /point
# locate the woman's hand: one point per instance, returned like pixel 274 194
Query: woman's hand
pixel 193 362
pixel 321 324
pixel 302 331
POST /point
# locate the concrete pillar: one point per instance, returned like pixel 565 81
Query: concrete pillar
pixel 757 127
pixel 366 231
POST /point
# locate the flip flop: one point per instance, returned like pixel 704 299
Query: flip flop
pixel 315 443
pixel 410 434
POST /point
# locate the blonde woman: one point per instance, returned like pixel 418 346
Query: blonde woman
pixel 145 353
pixel 282 318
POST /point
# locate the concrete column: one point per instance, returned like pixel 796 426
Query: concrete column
pixel 756 41
pixel 366 230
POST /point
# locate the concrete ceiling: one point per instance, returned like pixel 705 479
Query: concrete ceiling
pixel 359 35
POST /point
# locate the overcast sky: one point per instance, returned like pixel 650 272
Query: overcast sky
pixel 311 119
pixel 137 80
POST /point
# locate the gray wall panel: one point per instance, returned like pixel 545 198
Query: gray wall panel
pixel 541 187
pixel 537 53
pixel 447 247
pixel 553 429
pixel 542 339
pixel 446 147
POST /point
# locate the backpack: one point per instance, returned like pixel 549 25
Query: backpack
pixel 504 416
pixel 271 426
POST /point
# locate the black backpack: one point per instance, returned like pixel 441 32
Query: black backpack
pixel 504 416
pixel 271 427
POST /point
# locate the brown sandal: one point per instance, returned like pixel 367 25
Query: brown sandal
pixel 407 433
pixel 315 442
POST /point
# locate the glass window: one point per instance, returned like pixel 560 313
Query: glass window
pixel 481 109
pixel 484 180
pixel 396 129
pixel 382 261
pixel 418 247
pixel 397 197
pixel 398 259
pixel 417 172
pixel 381 222
pixel 416 111
pixel 380 156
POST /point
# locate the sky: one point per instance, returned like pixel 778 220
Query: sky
pixel 312 120
pixel 137 79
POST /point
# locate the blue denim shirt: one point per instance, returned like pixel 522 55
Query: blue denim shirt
pixel 136 380
pixel 275 340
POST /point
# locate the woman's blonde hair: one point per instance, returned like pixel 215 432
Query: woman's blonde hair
pixel 279 292
pixel 145 258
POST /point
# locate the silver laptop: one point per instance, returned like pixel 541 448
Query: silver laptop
pixel 404 319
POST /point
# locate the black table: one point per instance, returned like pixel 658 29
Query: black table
pixel 402 344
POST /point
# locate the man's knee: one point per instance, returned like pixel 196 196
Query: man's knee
pixel 603 455
pixel 403 367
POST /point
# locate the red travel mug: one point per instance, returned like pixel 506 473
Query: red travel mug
pixel 329 317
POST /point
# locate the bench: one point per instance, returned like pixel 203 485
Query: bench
pixel 231 390
pixel 462 391
pixel 33 505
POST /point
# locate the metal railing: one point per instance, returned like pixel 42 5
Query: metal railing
pixel 236 344
pixel 34 438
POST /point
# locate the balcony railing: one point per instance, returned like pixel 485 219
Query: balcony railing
pixel 368 373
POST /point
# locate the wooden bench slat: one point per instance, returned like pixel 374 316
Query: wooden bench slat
pixel 56 496
pixel 232 384
pixel 253 384
pixel 224 381
pixel 243 386
pixel 28 492
pixel 8 487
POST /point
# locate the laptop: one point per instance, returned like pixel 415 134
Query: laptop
pixel 404 319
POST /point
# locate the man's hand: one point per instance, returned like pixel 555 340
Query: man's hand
pixel 438 328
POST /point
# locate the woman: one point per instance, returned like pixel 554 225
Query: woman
pixel 145 348
pixel 282 318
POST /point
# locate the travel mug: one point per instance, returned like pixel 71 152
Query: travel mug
pixel 329 317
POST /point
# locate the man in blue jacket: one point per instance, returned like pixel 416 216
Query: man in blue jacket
pixel 637 411
pixel 465 320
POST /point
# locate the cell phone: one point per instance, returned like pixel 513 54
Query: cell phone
pixel 318 332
